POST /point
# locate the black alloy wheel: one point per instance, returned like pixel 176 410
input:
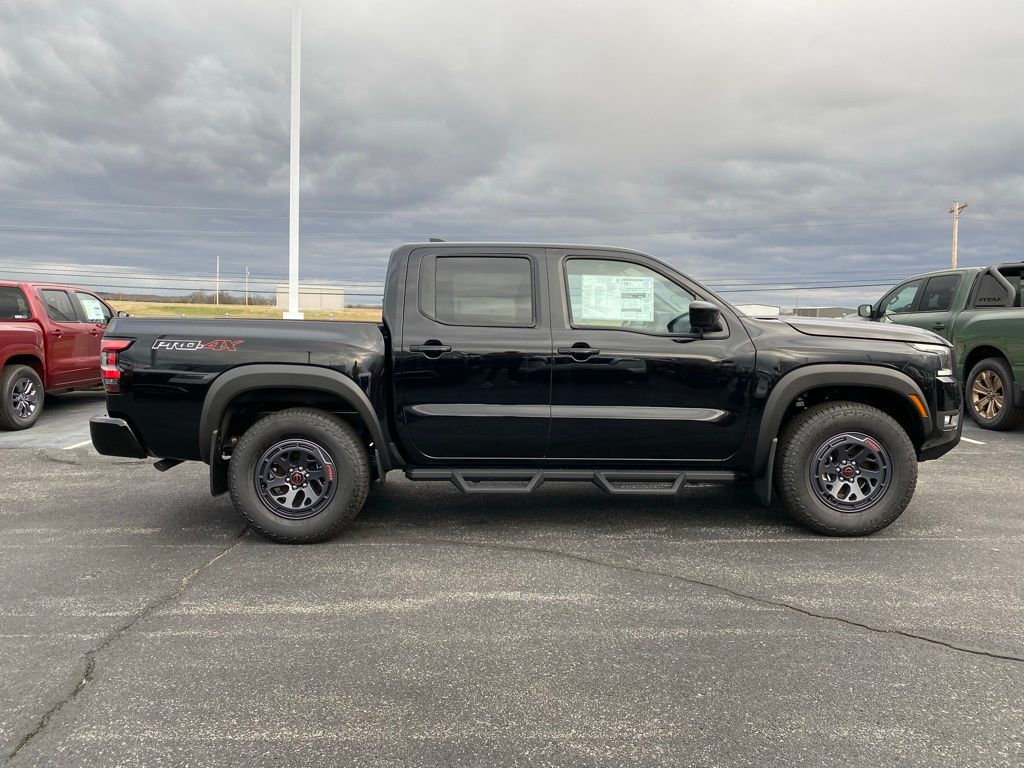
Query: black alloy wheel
pixel 299 475
pixel 850 472
pixel 295 478
pixel 845 468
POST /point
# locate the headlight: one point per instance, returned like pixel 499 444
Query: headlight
pixel 945 356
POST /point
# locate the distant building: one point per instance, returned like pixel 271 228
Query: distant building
pixel 759 310
pixel 823 311
pixel 330 297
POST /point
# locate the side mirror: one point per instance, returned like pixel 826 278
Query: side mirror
pixel 123 314
pixel 704 316
pixel 865 310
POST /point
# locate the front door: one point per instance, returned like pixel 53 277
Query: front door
pixel 94 316
pixel 631 379
pixel 473 363
pixel 898 304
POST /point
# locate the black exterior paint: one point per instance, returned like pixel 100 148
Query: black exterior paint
pixel 506 396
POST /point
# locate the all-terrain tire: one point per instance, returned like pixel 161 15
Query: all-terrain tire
pixel 338 452
pixel 21 397
pixel 990 375
pixel 804 448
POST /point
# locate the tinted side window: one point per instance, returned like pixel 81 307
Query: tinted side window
pixel 900 300
pixel 13 304
pixel 95 310
pixel 58 307
pixel 477 290
pixel 620 294
pixel 938 294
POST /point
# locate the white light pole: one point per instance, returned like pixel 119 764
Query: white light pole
pixel 955 210
pixel 293 312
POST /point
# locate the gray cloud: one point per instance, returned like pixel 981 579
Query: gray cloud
pixel 799 142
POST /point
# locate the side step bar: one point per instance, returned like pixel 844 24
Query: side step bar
pixel 615 481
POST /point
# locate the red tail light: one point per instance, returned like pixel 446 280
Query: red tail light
pixel 110 369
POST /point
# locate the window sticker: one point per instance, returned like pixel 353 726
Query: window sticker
pixel 93 308
pixel 607 298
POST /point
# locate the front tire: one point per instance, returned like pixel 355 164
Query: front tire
pixel 845 469
pixel 299 475
pixel 21 391
pixel 989 396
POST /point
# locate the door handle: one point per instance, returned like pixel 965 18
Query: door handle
pixel 938 326
pixel 57 332
pixel 94 332
pixel 579 351
pixel 433 348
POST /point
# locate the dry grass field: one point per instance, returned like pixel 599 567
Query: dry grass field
pixel 154 309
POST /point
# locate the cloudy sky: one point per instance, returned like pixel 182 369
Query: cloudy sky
pixel 765 147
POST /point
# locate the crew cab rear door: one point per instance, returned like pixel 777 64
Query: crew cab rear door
pixel 67 342
pixel 473 362
pixel 936 303
pixel 629 383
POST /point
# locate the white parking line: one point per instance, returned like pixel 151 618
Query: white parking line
pixel 77 445
pixel 969 440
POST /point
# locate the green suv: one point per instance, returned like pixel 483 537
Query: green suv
pixel 979 309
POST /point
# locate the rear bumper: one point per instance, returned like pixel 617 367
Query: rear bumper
pixel 113 437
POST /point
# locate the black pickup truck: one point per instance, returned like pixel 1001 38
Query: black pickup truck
pixel 500 367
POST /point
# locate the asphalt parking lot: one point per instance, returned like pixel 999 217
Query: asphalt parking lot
pixel 142 625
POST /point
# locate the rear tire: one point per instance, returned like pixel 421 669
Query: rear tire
pixel 845 469
pixel 989 396
pixel 299 475
pixel 22 395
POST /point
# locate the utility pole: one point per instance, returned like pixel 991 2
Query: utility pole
pixel 247 286
pixel 955 210
pixel 293 312
pixel 216 293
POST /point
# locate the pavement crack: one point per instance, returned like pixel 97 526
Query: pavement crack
pixel 84 673
pixel 733 593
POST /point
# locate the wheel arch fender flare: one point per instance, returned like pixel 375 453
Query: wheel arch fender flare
pixel 815 376
pixel 248 378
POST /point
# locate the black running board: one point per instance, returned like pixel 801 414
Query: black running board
pixel 615 481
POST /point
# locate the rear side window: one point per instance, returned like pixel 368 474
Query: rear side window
pixel 477 290
pixel 59 307
pixel 13 304
pixel 990 293
pixel 901 300
pixel 938 293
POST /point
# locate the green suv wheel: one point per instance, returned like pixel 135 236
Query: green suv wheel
pixel 989 396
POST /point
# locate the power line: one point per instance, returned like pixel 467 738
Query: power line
pixel 461 211
pixel 549 237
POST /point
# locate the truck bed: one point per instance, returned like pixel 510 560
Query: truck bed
pixel 172 363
